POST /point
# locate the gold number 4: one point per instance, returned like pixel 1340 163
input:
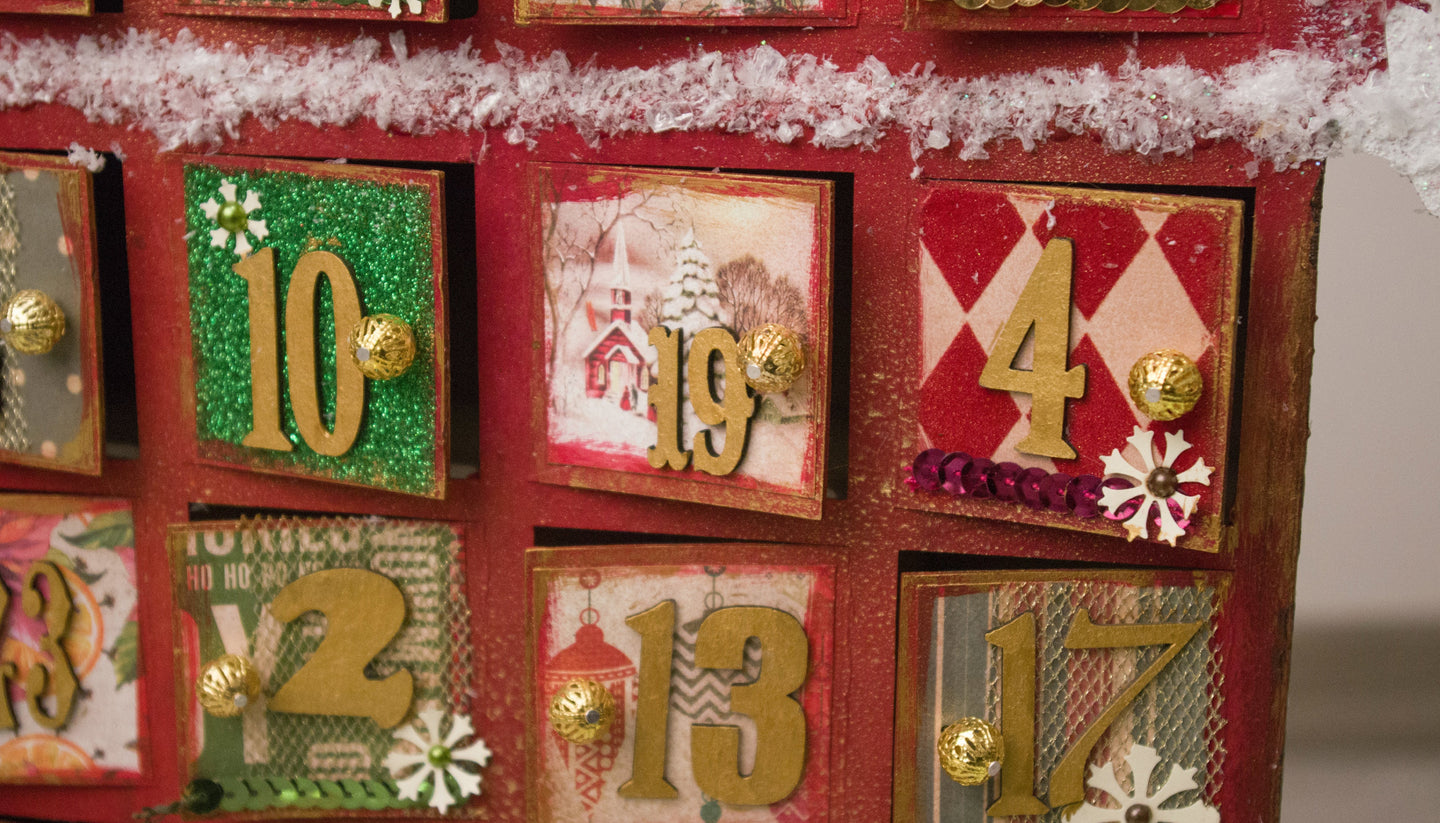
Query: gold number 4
pixel 258 271
pixel 1017 644
pixel 715 749
pixel 1044 305
pixel 363 611
pixel 734 410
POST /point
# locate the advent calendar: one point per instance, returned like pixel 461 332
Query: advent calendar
pixel 624 411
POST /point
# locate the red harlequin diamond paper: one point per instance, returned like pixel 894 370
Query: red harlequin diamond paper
pixel 1150 272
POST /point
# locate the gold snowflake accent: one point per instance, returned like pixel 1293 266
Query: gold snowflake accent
pixel 1158 483
pixel 1139 804
pixel 438 760
pixel 235 219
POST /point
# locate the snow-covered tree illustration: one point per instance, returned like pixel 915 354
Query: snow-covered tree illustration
pixel 691 299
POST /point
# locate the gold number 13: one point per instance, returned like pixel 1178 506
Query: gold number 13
pixel 258 270
pixel 714 749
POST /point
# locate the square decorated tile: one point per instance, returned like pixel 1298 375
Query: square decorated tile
pixel 425 11
pixel 1060 696
pixel 660 296
pixel 70 672
pixel 1075 362
pixel 320 661
pixel 692 690
pixel 317 321
pixel 51 395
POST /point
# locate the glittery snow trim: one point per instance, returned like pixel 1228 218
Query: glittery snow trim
pixel 1286 107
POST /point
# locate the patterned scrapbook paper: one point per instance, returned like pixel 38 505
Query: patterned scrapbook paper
pixel 226 575
pixel 584 633
pixel 1150 272
pixel 91 543
pixel 50 403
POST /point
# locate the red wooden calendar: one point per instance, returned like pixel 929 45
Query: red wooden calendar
pixel 610 411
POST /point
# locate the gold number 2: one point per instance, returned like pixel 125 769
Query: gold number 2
pixel 734 410
pixel 364 611
pixel 1017 643
pixel 715 749
pixel 258 271
pixel 1044 305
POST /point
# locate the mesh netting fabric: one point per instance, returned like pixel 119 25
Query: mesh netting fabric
pixel 12 413
pixel 1178 713
pixel 424 561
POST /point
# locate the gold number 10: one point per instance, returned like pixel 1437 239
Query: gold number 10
pixel 258 270
pixel 1017 644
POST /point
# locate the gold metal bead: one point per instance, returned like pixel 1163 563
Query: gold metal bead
pixel 772 357
pixel 382 346
pixel 31 322
pixel 227 685
pixel 582 711
pixel 971 751
pixel 1165 384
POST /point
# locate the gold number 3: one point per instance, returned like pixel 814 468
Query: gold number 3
pixel 57 675
pixel 364 611
pixel 1045 306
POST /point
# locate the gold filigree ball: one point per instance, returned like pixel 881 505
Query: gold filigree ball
pixel 31 322
pixel 227 685
pixel 971 751
pixel 772 357
pixel 1165 384
pixel 582 711
pixel 382 346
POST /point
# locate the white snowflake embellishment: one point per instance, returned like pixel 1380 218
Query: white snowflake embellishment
pixel 1157 483
pixel 413 5
pixel 235 219
pixel 1139 806
pixel 438 760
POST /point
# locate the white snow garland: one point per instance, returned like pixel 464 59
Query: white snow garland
pixel 1286 107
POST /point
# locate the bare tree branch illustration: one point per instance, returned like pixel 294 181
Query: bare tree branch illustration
pixel 754 298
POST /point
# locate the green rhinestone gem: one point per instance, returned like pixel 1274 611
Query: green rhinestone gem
pixel 232 217
pixel 439 756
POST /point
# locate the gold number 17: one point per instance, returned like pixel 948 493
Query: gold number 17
pixel 1017 644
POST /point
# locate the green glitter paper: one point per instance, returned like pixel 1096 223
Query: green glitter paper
pixel 383 233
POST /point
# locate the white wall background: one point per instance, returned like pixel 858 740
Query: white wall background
pixel 1364 713
pixel 1368 549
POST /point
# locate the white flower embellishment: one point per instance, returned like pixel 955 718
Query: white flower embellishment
pixel 235 218
pixel 438 760
pixel 413 5
pixel 1139 805
pixel 1157 483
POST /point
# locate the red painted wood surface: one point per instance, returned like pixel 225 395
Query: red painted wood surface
pixel 502 505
